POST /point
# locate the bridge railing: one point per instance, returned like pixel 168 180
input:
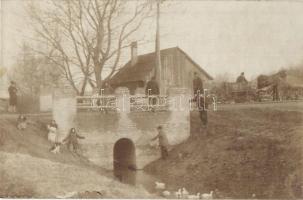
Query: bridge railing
pixel 137 102
pixel 148 103
pixel 109 102
pixel 97 102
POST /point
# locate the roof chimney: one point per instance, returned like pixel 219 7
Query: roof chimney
pixel 134 53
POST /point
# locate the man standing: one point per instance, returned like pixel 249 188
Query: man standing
pixel 12 90
pixel 197 84
pixel 241 78
pixel 202 107
pixel 163 142
pixel 108 90
pixel 152 88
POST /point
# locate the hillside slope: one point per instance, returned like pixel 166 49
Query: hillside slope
pixel 249 151
pixel 28 169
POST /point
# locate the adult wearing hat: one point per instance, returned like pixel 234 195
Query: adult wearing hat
pixel 12 91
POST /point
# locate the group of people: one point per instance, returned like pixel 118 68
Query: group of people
pixel 152 90
pixel 71 140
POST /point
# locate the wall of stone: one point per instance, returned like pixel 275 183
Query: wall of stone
pixel 103 130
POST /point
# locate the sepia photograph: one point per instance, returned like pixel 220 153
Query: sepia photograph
pixel 151 99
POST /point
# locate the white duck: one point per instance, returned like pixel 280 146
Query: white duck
pixel 68 195
pixel 207 195
pixel 178 194
pixel 197 196
pixel 166 193
pixel 184 193
pixel 160 186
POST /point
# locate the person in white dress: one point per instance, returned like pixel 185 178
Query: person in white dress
pixel 53 135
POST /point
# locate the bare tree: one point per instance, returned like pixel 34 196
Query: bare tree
pixel 86 37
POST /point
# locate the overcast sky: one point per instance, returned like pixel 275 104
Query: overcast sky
pixel 222 36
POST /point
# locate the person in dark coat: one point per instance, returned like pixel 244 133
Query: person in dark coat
pixel 152 88
pixel 241 78
pixel 108 90
pixel 202 107
pixel 163 142
pixel 12 90
pixel 197 84
pixel 105 90
pixel 72 139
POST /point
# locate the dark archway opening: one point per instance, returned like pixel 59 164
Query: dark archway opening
pixel 125 161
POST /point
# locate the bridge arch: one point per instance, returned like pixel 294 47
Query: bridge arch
pixel 124 153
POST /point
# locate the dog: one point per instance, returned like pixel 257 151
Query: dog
pixel 56 148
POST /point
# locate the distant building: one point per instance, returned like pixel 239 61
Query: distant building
pixel 177 71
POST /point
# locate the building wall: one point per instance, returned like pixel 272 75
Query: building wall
pixel 178 70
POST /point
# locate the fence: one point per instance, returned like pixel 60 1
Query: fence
pixel 138 102
pixel 109 102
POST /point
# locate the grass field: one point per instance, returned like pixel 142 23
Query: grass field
pixel 245 150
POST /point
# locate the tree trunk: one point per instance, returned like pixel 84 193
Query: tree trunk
pixel 98 79
pixel 83 86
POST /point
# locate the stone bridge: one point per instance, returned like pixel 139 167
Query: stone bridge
pixel 123 136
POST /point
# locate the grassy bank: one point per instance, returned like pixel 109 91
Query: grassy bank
pixel 242 152
pixel 28 169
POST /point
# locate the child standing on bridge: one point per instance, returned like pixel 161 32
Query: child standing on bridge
pixel 72 139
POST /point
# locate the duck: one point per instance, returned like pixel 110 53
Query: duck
pixel 184 193
pixel 67 195
pixel 197 196
pixel 160 186
pixel 166 193
pixel 207 195
pixel 178 194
